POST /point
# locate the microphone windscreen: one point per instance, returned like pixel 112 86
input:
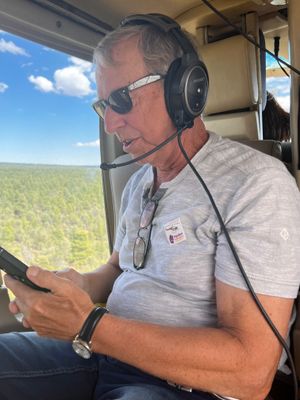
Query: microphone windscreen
pixel 105 166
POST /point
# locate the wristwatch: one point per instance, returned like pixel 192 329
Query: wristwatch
pixel 82 342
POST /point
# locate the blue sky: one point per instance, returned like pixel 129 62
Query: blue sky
pixel 45 99
pixel 45 111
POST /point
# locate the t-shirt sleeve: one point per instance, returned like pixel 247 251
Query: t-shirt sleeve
pixel 263 221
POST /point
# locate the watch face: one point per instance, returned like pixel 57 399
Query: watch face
pixel 82 349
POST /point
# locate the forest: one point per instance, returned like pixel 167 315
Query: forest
pixel 53 216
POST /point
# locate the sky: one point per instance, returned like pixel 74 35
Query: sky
pixel 45 105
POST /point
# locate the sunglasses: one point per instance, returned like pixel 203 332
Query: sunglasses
pixel 142 241
pixel 119 100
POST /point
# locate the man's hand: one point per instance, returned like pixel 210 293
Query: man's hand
pixel 77 278
pixel 59 314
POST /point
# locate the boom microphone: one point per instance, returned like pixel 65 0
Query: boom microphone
pixel 106 166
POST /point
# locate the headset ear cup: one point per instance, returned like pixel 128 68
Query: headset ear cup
pixel 196 88
pixel 170 88
pixel 186 87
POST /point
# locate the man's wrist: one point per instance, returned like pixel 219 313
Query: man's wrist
pixel 82 344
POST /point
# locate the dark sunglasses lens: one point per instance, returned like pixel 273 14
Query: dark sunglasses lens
pixel 120 101
pixel 147 214
pixel 139 252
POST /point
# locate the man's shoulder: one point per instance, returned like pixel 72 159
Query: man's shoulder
pixel 240 156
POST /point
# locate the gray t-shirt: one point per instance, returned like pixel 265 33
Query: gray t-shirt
pixel 260 205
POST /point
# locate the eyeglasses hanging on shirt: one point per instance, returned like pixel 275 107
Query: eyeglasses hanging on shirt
pixel 142 241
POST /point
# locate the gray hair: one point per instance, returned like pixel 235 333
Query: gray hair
pixel 159 49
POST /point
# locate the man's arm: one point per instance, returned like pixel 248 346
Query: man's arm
pixel 100 281
pixel 237 359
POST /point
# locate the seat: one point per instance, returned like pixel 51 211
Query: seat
pixel 118 178
pixel 235 104
pixel 232 108
pixel 270 147
pixel 296 339
pixel 8 321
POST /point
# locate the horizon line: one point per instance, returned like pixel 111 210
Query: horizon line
pixel 47 164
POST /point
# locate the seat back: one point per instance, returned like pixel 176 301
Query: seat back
pixel 8 321
pixel 271 147
pixel 232 108
pixel 237 94
pixel 296 338
pixel 118 178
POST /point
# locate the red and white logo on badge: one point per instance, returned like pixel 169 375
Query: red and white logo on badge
pixel 174 232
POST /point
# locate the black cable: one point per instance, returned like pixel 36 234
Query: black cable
pixel 259 305
pixel 241 268
pixel 106 166
pixel 276 52
pixel 248 37
pixel 286 73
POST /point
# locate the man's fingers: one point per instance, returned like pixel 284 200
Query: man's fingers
pixel 13 307
pixel 25 323
pixel 15 286
pixel 47 279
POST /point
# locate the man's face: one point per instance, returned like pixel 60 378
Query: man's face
pixel 147 124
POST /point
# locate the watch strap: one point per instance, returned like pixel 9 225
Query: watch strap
pixel 87 330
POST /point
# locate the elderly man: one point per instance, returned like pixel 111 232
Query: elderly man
pixel 181 323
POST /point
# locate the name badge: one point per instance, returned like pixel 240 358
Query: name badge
pixel 174 232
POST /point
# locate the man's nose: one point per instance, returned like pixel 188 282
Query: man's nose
pixel 112 120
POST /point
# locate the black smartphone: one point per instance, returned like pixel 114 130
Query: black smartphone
pixel 14 267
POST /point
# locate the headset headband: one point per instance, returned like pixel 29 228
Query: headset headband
pixel 186 81
pixel 163 23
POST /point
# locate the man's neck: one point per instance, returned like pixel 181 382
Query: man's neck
pixel 192 142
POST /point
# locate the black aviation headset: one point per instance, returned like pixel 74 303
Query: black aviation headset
pixel 186 82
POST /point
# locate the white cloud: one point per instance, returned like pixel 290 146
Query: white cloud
pixel 73 80
pixel 82 64
pixel 48 49
pixel 92 76
pixel 280 88
pixel 10 47
pixel 95 143
pixel 285 102
pixel 280 85
pixel 29 64
pixel 42 84
pixel 3 87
